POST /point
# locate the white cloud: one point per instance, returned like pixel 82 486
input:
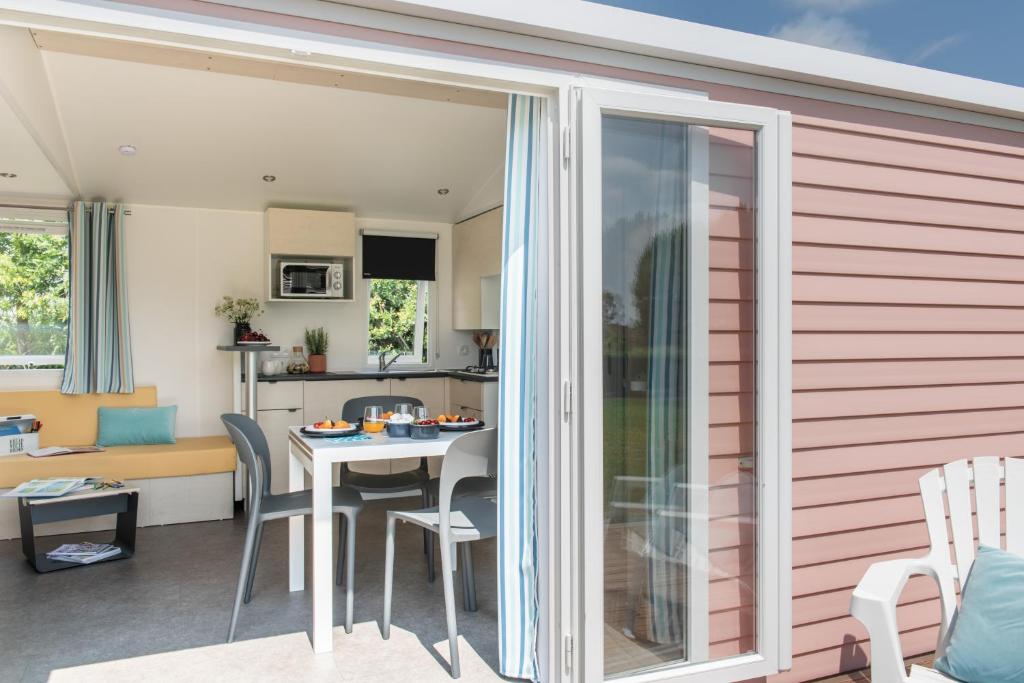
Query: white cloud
pixel 935 47
pixel 836 33
pixel 838 6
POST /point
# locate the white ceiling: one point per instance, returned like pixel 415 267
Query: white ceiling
pixel 22 155
pixel 207 138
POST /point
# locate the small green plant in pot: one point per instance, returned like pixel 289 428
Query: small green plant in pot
pixel 239 311
pixel 316 342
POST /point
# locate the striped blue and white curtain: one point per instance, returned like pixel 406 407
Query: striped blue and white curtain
pixel 666 313
pixel 525 221
pixel 98 357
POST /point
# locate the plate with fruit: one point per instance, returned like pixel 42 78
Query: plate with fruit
pixel 330 428
pixel 253 338
pixel 458 423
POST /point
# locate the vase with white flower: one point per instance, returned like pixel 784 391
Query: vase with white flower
pixel 239 311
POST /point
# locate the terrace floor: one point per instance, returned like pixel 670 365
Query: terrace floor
pixel 163 615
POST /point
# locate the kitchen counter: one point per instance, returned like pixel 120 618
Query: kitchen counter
pixel 395 374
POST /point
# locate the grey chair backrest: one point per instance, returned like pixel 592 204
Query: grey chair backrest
pixel 353 409
pixel 253 450
pixel 470 455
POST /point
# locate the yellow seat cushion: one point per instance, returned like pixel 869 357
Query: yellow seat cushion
pixel 189 456
pixel 70 420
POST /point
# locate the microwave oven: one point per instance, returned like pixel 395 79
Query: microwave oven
pixel 311 280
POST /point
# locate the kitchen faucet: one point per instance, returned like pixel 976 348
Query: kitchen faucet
pixel 382 364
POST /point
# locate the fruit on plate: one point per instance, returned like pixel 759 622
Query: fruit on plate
pixel 426 423
pixel 442 419
pixel 468 419
pixel 254 336
pixel 323 424
pixel 389 414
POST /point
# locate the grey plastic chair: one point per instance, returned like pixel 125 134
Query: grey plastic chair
pixel 251 445
pixel 400 482
pixel 481 487
pixel 455 520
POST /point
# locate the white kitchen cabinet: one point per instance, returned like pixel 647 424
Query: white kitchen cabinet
pixel 325 398
pixel 275 424
pixel 283 395
pixel 475 399
pixel 476 255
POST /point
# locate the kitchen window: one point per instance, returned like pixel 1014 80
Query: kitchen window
pixel 33 297
pixel 398 321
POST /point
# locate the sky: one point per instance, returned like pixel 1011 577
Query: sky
pixel 979 38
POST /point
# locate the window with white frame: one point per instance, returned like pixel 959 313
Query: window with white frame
pixel 33 293
pixel 398 321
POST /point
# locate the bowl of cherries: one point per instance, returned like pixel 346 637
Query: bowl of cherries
pixel 425 429
pixel 253 338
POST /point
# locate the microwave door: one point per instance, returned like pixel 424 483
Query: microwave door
pixel 303 280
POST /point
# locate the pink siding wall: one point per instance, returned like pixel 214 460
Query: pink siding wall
pixel 908 334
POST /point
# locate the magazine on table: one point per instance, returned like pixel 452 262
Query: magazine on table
pixel 47 488
pixel 63 450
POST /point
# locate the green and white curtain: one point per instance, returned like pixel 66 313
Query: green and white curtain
pixel 98 358
pixel 525 221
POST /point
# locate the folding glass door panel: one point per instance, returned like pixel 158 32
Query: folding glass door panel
pixel 673 193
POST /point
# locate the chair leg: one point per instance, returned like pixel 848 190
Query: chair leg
pixel 252 563
pixel 389 575
pixel 427 540
pixel 243 575
pixel 350 574
pixel 342 528
pixel 447 571
pixel 468 579
pixel 430 559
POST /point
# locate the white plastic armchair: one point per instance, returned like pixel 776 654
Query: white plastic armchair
pixel 874 599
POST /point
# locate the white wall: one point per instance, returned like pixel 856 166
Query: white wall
pixel 181 261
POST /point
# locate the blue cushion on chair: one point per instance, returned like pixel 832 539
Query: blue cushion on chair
pixel 136 426
pixel 986 642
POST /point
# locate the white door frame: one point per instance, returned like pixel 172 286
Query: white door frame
pixel 559 658
pixel 773 384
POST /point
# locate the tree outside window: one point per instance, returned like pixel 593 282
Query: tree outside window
pixel 33 300
pixel 398 320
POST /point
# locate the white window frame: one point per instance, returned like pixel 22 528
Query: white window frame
pixel 424 304
pixel 33 221
pixel 774 564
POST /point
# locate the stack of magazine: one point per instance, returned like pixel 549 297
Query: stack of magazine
pixel 83 553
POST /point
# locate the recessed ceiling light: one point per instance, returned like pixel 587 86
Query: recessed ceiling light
pixel 269 178
pixel 8 174
pixel 127 150
pixel 443 191
pixel 299 53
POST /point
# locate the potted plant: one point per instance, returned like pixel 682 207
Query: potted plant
pixel 239 311
pixel 316 342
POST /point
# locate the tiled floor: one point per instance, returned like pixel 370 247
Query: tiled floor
pixel 163 615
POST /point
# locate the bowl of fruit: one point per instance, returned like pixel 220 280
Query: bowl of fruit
pixel 458 423
pixel 327 427
pixel 425 429
pixel 253 338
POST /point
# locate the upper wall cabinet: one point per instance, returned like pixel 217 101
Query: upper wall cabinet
pixel 476 268
pixel 309 255
pixel 300 232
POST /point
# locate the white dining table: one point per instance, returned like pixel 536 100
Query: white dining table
pixel 317 457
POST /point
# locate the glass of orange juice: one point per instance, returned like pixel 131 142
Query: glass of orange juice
pixel 373 419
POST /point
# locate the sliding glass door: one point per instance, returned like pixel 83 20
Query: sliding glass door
pixel 679 200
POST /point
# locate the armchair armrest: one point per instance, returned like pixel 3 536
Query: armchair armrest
pixel 874 604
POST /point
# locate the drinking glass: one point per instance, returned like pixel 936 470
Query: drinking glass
pixel 420 413
pixel 403 409
pixel 373 419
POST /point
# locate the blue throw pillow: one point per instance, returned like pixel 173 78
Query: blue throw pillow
pixel 986 643
pixel 136 426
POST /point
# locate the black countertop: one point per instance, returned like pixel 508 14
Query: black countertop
pixel 397 374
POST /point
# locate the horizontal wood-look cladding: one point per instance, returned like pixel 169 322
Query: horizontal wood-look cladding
pixel 908 350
